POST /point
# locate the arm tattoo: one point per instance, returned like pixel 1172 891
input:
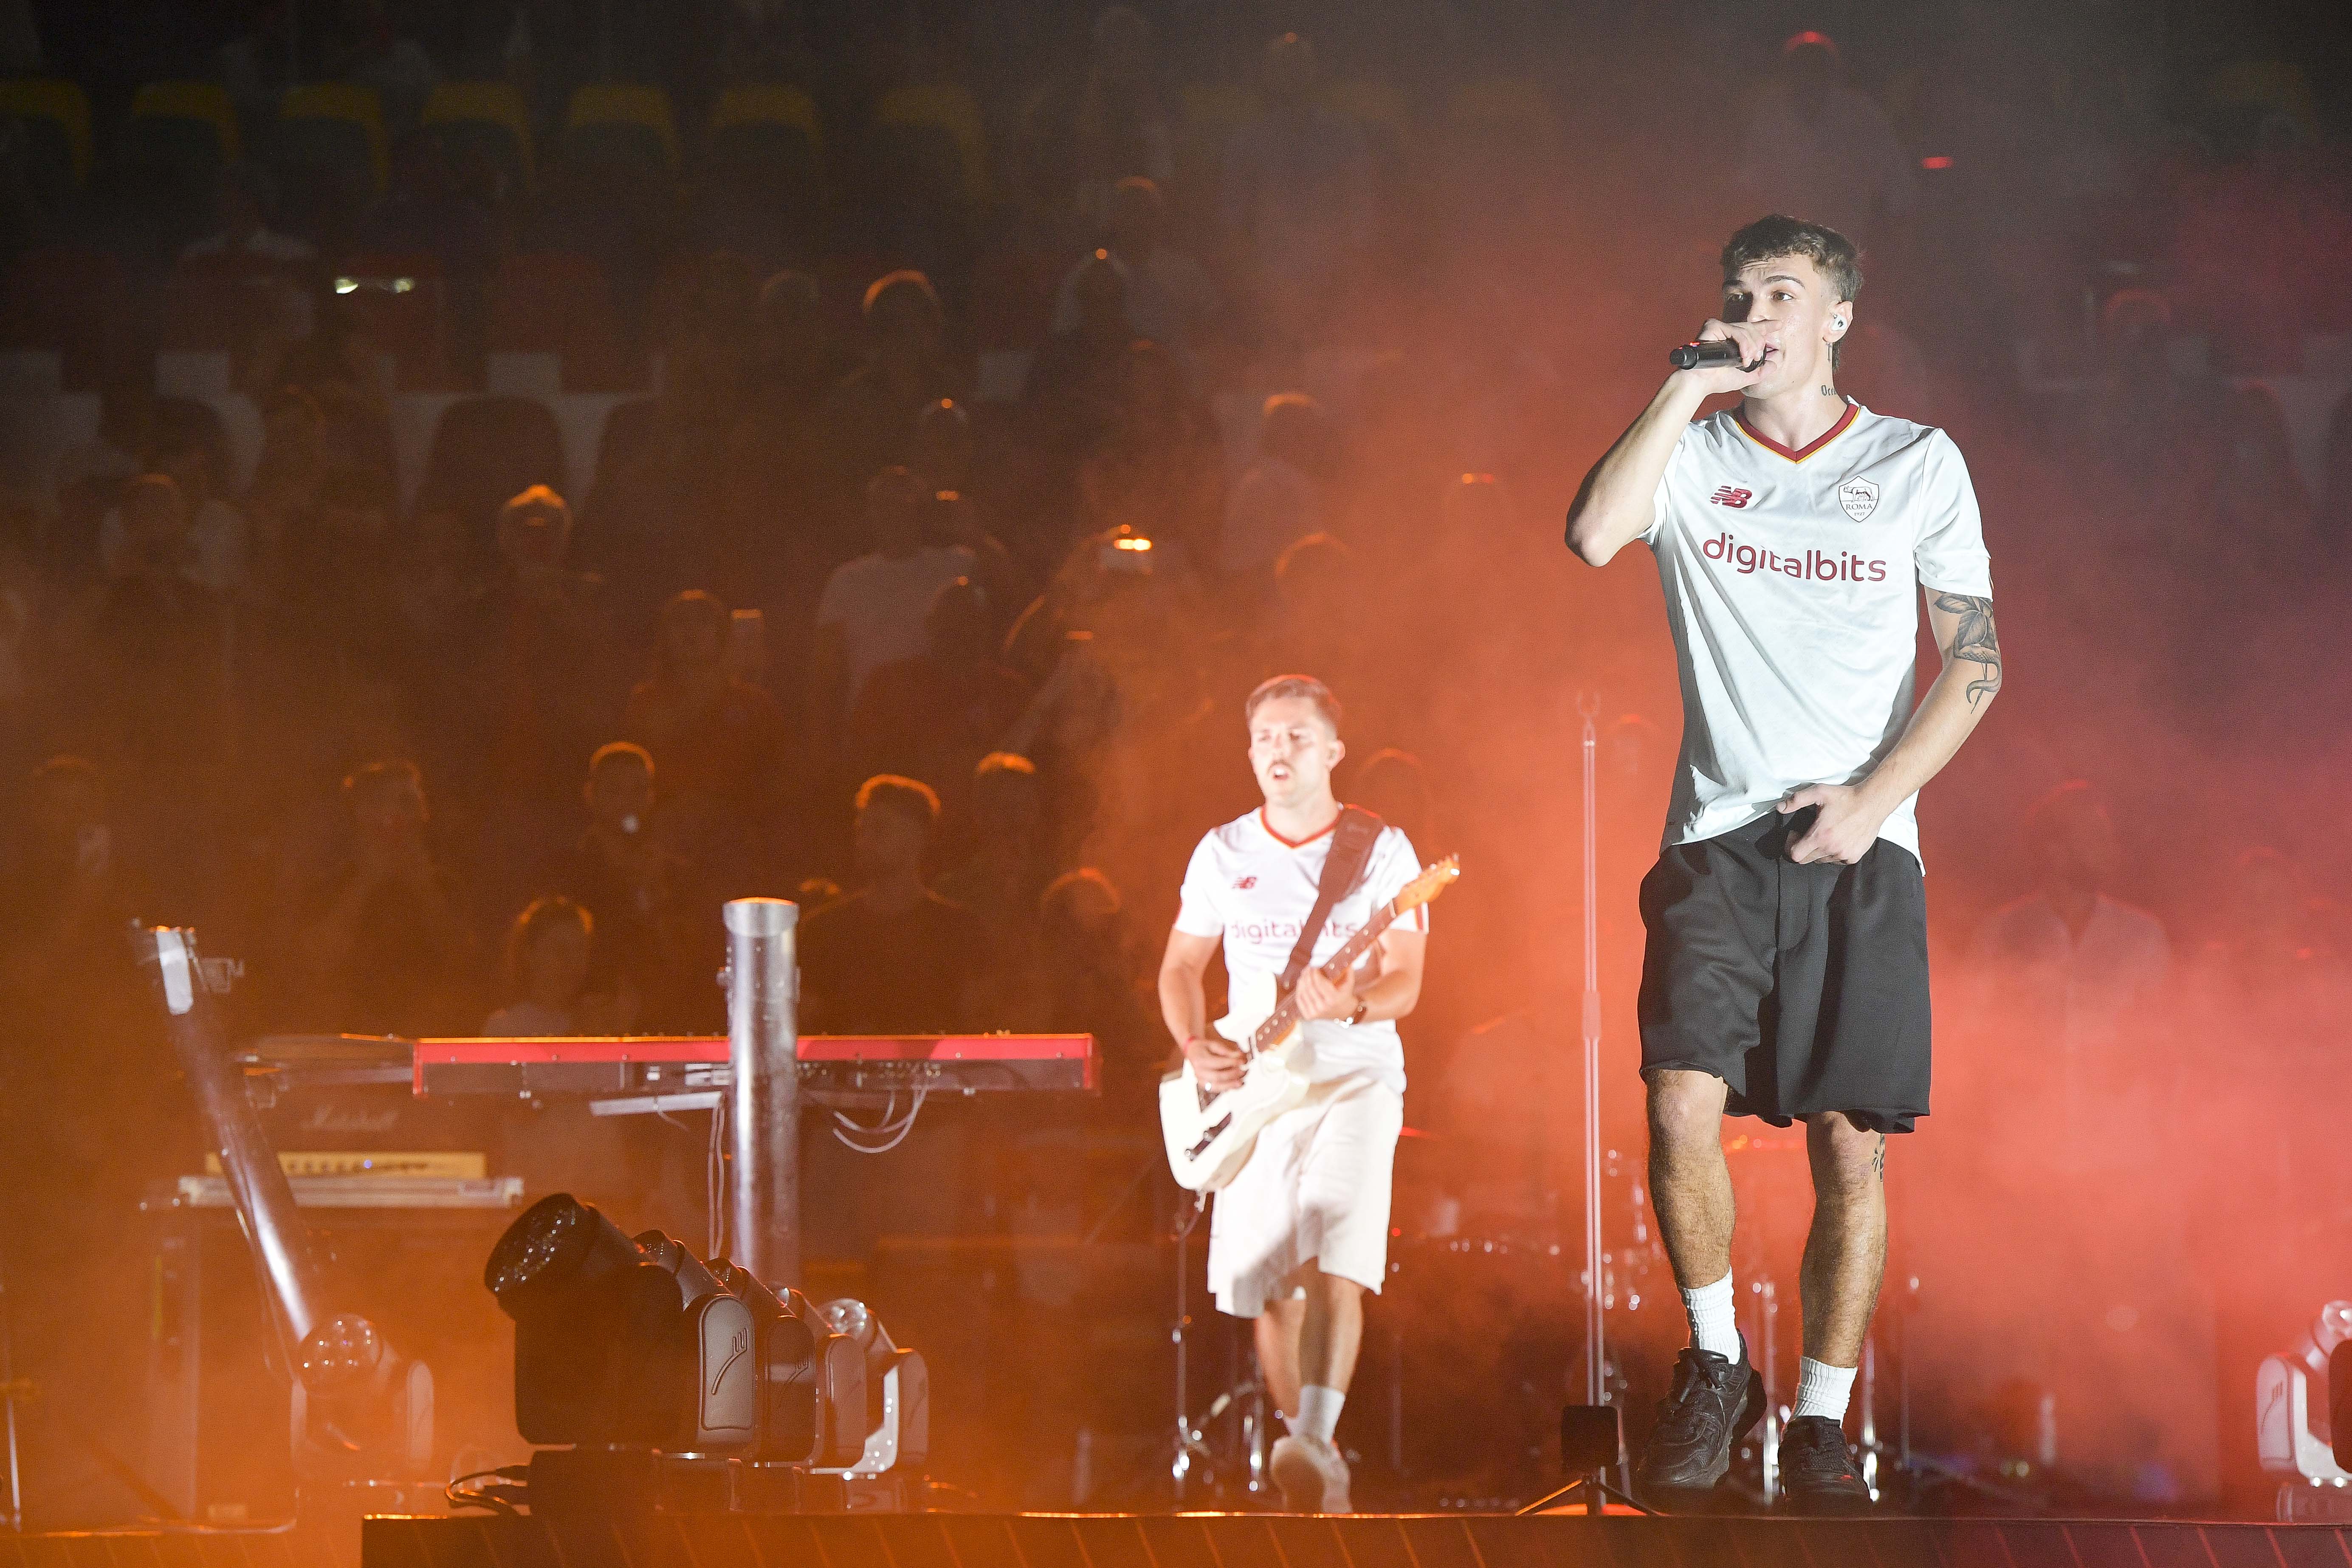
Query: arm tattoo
pixel 1975 641
pixel 1878 1159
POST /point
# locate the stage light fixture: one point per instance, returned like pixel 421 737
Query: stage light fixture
pixel 897 1393
pixel 618 1344
pixel 812 1385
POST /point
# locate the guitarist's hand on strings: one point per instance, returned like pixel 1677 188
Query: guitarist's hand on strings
pixel 1217 1061
pixel 1322 998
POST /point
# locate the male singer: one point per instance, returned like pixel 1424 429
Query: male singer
pixel 1785 973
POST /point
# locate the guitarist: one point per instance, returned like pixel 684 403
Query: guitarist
pixel 1301 1233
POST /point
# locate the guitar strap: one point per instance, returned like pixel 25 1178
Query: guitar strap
pixel 1351 846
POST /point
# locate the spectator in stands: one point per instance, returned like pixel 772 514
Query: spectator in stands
pixel 1002 832
pixel 722 741
pixel 659 501
pixel 637 887
pixel 893 955
pixel 368 49
pixel 245 198
pixel 2072 979
pixel 381 937
pixel 547 976
pixel 1081 137
pixel 438 583
pixel 424 210
pixel 1823 150
pixel 1283 495
pixel 70 892
pixel 1170 297
pixel 341 600
pixel 286 478
pixel 1160 472
pixel 871 415
pixel 1072 396
pixel 539 693
pixel 872 612
pixel 944 447
pixel 1298 196
pixel 1089 982
pixel 936 715
pixel 779 460
pixel 2258 506
pixel 215 542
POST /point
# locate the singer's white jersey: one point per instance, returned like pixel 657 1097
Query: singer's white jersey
pixel 1792 588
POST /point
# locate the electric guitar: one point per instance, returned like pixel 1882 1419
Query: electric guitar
pixel 1211 1132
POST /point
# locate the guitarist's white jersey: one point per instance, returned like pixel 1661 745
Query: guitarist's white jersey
pixel 1254 888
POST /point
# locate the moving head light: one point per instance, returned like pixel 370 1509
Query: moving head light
pixel 618 1344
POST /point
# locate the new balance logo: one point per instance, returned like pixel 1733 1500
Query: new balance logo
pixel 1726 496
pixel 1244 884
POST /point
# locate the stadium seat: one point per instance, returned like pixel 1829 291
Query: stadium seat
pixel 401 304
pixel 766 137
pixel 334 124
pixel 944 109
pixel 485 451
pixel 621 124
pixel 555 302
pixel 221 303
pixel 188 126
pixel 488 117
pixel 53 118
pixel 73 303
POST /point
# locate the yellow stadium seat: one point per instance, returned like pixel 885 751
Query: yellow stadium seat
pixel 769 105
pixel 947 108
pixel 335 123
pixel 185 123
pixel 602 109
pixel 56 115
pixel 486 114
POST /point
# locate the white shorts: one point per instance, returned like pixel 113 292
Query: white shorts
pixel 1315 1191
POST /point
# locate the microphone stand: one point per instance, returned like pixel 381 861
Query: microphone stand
pixel 1591 1486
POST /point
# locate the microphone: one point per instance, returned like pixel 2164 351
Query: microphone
pixel 1706 355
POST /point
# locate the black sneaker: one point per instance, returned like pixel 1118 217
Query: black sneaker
pixel 1714 1404
pixel 1818 1475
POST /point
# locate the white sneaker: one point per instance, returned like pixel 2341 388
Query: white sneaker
pixel 1312 1474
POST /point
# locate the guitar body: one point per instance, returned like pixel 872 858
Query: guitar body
pixel 1208 1143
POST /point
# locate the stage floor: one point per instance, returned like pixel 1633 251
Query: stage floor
pixel 1221 1541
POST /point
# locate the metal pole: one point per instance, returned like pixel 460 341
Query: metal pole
pixel 764 1096
pixel 265 1202
pixel 1596 1377
pixel 8 1407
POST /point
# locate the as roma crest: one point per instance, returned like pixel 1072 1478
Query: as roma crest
pixel 1859 498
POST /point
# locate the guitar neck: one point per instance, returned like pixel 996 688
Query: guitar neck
pixel 1285 1016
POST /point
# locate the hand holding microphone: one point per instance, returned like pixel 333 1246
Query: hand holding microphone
pixel 1731 353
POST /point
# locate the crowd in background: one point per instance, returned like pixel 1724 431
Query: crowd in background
pixel 1306 350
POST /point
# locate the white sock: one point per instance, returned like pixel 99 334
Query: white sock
pixel 1822 1389
pixel 1318 1412
pixel 1714 1318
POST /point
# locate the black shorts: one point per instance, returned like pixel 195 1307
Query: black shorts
pixel 1804 988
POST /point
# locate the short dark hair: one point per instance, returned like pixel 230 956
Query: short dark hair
pixel 1833 256
pixel 621 750
pixel 911 797
pixel 1305 686
pixel 369 776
